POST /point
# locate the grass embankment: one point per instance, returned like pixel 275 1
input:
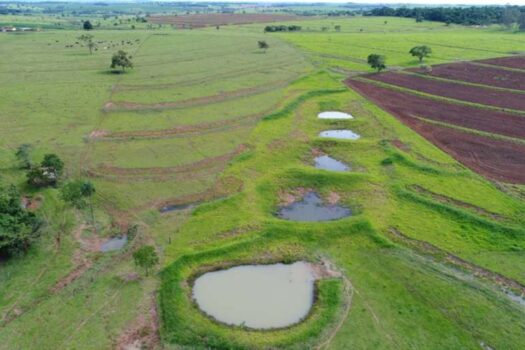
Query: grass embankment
pixel 395 291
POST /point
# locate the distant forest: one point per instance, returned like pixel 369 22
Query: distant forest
pixel 506 15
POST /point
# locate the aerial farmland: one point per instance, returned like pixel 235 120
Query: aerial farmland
pixel 261 176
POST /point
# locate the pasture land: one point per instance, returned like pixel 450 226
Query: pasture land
pixel 223 132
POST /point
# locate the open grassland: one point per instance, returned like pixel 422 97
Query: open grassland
pixel 432 257
pixel 347 49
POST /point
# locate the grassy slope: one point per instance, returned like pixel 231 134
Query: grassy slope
pixel 53 100
pixel 408 301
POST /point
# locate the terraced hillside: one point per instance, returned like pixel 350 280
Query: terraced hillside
pixel 197 150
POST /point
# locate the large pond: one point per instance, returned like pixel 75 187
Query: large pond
pixel 114 243
pixel 328 163
pixel 257 296
pixel 334 115
pixel 312 208
pixel 340 134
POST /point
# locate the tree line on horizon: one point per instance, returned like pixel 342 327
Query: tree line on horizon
pixel 474 15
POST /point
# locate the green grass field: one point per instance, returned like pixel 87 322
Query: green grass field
pixel 255 128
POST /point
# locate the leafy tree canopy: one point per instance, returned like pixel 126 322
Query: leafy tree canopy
pixel 146 257
pixel 18 227
pixel 75 192
pixel 121 59
pixel 376 61
pixel 87 25
pixel 420 52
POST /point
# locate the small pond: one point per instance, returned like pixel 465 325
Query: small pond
pixel 177 207
pixel 340 134
pixel 334 115
pixel 257 296
pixel 328 163
pixel 312 208
pixel 115 243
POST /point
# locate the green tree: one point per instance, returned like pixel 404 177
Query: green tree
pixel 377 61
pixel 121 59
pixel 87 39
pixel 510 16
pixel 18 227
pixel 53 164
pixel 263 45
pixel 79 194
pixel 23 155
pixel 87 25
pixel 420 52
pixel 47 173
pixel 521 22
pixel 146 258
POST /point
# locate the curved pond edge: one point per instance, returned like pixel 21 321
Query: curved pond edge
pixel 318 271
pixel 183 323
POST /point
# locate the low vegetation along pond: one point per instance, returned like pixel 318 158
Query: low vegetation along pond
pixel 257 296
pixel 312 208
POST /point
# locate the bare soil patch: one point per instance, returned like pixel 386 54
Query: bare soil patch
pixel 80 260
pixel 143 332
pixel 32 203
pixel 219 19
pixel 400 145
pixel 288 197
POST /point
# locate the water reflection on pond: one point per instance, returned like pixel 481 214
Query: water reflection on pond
pixel 257 296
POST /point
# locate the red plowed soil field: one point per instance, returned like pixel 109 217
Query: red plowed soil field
pixel 485 96
pixel 493 158
pixel 496 159
pixel 215 19
pixel 407 105
pixel 477 74
pixel 517 62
